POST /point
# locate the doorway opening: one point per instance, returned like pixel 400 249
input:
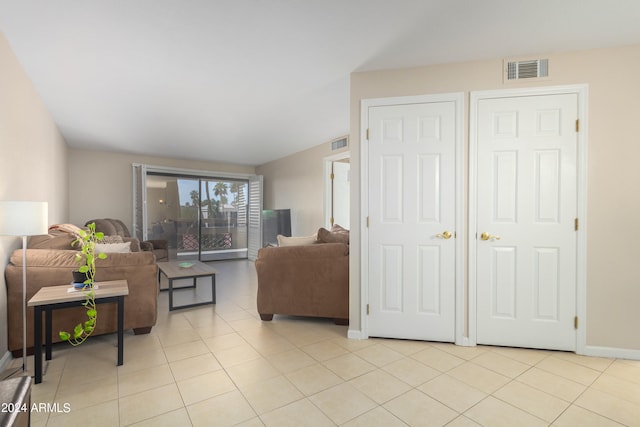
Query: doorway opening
pixel 337 173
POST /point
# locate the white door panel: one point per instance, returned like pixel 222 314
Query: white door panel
pixel 411 166
pixel 527 203
pixel 340 193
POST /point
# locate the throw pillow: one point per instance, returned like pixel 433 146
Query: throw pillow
pixel 339 236
pixel 108 248
pixel 296 241
pixel 112 239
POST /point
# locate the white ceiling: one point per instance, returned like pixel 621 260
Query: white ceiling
pixel 249 81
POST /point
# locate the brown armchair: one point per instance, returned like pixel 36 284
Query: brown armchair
pixel 112 227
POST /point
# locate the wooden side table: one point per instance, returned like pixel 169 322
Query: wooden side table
pixel 52 298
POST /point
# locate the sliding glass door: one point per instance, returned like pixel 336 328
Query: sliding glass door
pixel 201 218
pixel 223 219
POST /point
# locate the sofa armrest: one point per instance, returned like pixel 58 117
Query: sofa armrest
pixel 135 243
pixel 146 246
pixel 157 244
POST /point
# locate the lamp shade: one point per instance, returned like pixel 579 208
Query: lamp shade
pixel 23 218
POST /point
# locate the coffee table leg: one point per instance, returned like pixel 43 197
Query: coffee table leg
pixel 213 288
pixel 120 330
pixel 37 343
pixel 170 294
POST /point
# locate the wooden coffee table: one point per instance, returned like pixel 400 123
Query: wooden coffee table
pixel 173 271
pixel 51 298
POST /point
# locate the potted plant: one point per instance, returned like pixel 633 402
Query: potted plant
pixel 87 258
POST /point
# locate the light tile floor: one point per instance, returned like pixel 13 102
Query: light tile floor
pixel 221 365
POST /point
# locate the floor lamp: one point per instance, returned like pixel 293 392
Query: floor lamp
pixel 23 219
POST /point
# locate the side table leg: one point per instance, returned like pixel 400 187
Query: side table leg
pixel 47 333
pixel 37 343
pixel 120 330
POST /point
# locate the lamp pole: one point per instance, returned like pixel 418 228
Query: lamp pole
pixel 23 219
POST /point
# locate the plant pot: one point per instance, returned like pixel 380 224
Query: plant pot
pixel 79 277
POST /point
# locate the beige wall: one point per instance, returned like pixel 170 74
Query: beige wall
pixel 110 180
pixel 613 290
pixel 296 182
pixel 33 159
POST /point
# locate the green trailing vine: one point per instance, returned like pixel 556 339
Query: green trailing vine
pixel 87 258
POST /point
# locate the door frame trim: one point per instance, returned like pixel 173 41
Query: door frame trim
pixel 581 90
pixel 458 99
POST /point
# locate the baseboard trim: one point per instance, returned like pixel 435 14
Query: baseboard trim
pixel 612 352
pixel 465 342
pixel 589 350
pixel 355 334
pixel 5 361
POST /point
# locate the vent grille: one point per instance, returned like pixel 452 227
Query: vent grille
pixel 528 69
pixel 339 143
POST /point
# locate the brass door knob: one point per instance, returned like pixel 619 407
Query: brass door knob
pixel 487 236
pixel 445 235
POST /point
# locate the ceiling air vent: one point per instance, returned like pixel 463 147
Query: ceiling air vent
pixel 526 69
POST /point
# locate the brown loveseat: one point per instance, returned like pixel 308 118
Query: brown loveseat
pixel 49 267
pixel 310 280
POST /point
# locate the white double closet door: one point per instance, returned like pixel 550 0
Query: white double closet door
pixel 522 279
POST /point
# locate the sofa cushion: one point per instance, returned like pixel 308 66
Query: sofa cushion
pixel 53 240
pixel 336 235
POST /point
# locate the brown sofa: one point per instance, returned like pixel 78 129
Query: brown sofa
pixel 53 266
pixel 310 280
pixel 115 227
